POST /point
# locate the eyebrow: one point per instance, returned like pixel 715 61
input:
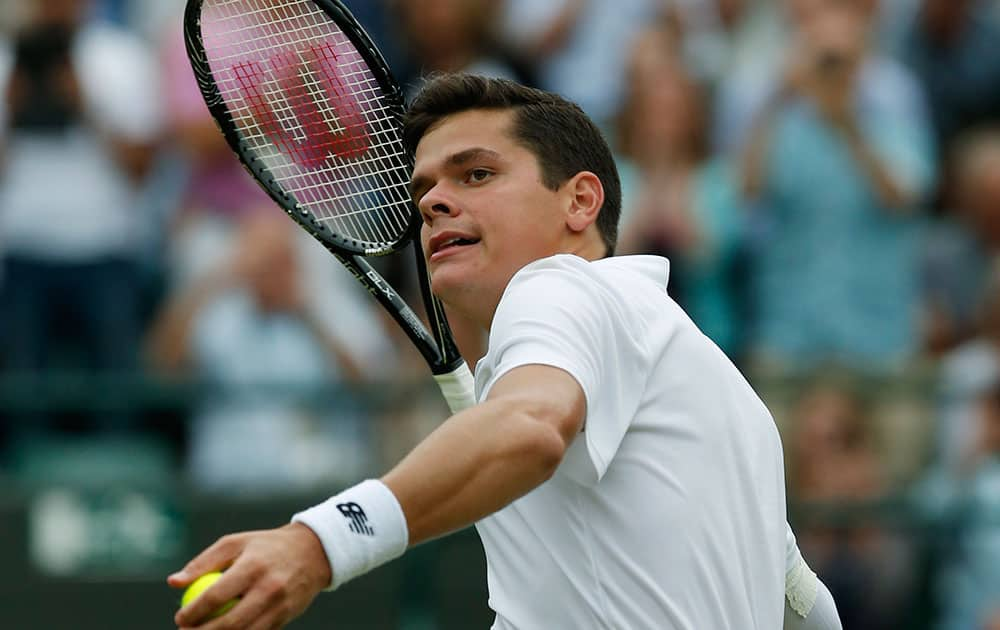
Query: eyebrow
pixel 456 159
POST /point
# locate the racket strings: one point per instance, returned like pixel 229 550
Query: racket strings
pixel 311 111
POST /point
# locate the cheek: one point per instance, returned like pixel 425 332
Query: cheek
pixel 424 237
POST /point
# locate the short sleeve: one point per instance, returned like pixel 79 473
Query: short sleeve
pixel 554 313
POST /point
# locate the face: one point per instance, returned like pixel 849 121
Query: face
pixel 486 210
pixel 436 26
pixel 269 263
pixel 662 87
pixel 837 34
pixel 980 197
pixel 827 419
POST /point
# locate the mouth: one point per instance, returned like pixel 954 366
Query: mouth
pixel 446 243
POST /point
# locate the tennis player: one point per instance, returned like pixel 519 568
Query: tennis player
pixel 620 471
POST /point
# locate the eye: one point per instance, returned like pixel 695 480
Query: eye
pixel 478 175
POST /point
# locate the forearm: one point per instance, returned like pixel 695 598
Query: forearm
pixel 753 161
pixel 889 191
pixel 475 464
pixel 555 36
pixel 169 339
pixel 349 365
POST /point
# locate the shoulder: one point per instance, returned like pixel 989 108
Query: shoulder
pixel 888 82
pixel 611 290
pixel 553 270
pixel 564 276
pixel 648 268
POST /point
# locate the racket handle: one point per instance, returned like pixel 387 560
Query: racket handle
pixel 458 388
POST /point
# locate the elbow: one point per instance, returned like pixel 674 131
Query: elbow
pixel 549 452
pixel 542 446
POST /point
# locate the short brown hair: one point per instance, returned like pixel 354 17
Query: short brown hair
pixel 563 138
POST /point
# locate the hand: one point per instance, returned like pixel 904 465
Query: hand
pixel 825 79
pixel 836 104
pixel 275 573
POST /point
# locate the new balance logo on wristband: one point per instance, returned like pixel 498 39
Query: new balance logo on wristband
pixel 359 520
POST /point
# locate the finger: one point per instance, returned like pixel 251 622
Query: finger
pixel 216 557
pixel 262 605
pixel 273 622
pixel 233 584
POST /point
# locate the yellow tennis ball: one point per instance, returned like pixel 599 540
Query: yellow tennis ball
pixel 198 586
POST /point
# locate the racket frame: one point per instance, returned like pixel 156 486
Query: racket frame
pixel 439 350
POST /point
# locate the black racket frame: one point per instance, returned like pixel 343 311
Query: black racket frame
pixel 439 349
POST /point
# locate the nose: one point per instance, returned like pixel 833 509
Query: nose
pixel 435 203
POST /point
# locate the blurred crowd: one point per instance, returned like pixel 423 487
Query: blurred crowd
pixel 824 176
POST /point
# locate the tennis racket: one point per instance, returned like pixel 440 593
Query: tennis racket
pixel 307 103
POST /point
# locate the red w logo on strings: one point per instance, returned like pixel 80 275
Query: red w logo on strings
pixel 313 96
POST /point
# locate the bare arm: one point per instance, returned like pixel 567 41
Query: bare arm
pixel 349 365
pixel 484 458
pixel 554 37
pixel 168 345
pixel 888 189
pixel 474 464
pixel 753 161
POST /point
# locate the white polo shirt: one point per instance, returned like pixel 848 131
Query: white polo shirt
pixel 668 511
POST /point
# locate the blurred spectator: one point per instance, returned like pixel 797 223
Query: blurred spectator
pixel 730 40
pixel 217 192
pixel 759 55
pixel 80 116
pixel 966 504
pixel 834 461
pixel 951 45
pixel 254 331
pixel 375 16
pixel 836 167
pixel 966 373
pixel 577 48
pixel 963 293
pixel 963 243
pixel 676 202
pixel 451 36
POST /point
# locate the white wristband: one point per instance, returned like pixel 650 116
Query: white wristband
pixel 360 528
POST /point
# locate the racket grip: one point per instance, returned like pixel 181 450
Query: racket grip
pixel 458 388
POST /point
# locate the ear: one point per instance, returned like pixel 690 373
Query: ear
pixel 586 196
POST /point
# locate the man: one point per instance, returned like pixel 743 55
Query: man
pixel 79 122
pixel 620 471
pixel 849 122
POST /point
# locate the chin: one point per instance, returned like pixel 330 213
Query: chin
pixel 451 285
